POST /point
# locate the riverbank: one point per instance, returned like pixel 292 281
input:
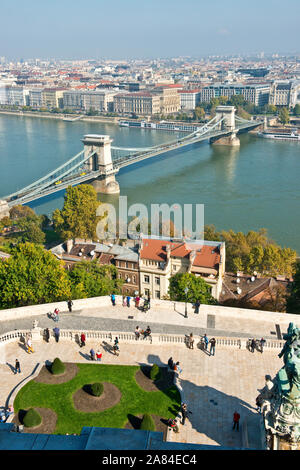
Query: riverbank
pixel 60 116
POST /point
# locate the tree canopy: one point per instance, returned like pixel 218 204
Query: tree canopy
pixel 198 289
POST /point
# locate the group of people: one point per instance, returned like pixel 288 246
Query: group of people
pixel 126 299
pixel 175 366
pixel 212 343
pixel 5 413
pixel 142 333
pixel 256 344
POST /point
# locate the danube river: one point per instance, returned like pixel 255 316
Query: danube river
pixel 254 186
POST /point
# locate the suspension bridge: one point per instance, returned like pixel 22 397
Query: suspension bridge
pixel 99 161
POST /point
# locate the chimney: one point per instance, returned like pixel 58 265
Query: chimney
pixel 69 245
pixel 168 250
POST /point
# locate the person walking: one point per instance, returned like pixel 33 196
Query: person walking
pixel 82 340
pixel 29 346
pixel 191 341
pixel 177 367
pixel 137 301
pixel 124 301
pixel 212 347
pixel 70 305
pixel 56 315
pixel 262 344
pixel 148 300
pixel 116 348
pixel 113 299
pixel 128 300
pixel 56 333
pixel 92 354
pixel 17 367
pixel 236 420
pixel 253 345
pixel 184 412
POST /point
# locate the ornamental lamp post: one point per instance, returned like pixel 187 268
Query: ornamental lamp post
pixel 186 292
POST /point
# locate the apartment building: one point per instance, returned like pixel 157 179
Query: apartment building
pixel 257 94
pixel 53 98
pixel 13 95
pixel 160 259
pixel 169 98
pixel 141 103
pixel 98 100
pixel 189 99
pixel 72 99
pixel 285 93
pixel 35 98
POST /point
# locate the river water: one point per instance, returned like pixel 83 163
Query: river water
pixel 254 186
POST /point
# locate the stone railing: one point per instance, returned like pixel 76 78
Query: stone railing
pixel 130 338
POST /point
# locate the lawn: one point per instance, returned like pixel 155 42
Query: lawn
pixel 135 400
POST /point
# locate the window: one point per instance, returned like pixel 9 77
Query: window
pixel 147 279
pixel 157 294
pixel 147 292
pixel 157 281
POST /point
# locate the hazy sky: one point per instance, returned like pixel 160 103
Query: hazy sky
pixel 74 29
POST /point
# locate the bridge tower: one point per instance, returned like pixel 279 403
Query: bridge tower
pixel 227 113
pixel 101 161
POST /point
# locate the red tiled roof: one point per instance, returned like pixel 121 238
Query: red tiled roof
pixel 205 255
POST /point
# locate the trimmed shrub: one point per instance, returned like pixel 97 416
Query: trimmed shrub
pixel 32 418
pixel 155 372
pixel 147 423
pixel 57 367
pixel 97 389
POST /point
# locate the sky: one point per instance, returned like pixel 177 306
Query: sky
pixel 125 29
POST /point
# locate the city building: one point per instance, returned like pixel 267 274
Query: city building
pixel 72 99
pixel 53 98
pixel 35 98
pixel 257 94
pixel 159 259
pixel 285 93
pixel 189 99
pixel 141 103
pixel 98 100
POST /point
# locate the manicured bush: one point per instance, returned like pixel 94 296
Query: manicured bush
pixel 57 367
pixel 97 389
pixel 147 423
pixel 155 372
pixel 32 418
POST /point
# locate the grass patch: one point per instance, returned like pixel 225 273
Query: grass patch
pixel 134 400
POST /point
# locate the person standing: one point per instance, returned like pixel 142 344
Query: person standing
pixel 236 420
pixel 92 354
pixel 47 335
pixel 113 299
pixel 116 348
pixel 124 301
pixel 137 333
pixel 197 306
pixel 262 344
pixel 184 412
pixel 56 315
pixel 148 300
pixel 171 363
pixel 137 301
pixel 70 305
pixel 29 346
pixel 205 339
pixel 253 345
pixel 98 355
pixel 212 347
pixel 56 333
pixel 17 367
pixel 128 300
pixel 82 340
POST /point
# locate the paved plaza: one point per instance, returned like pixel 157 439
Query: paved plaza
pixel 214 387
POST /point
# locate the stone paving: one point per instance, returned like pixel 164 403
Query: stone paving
pixel 214 387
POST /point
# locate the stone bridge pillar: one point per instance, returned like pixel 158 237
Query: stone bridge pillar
pixel 101 161
pixel 227 113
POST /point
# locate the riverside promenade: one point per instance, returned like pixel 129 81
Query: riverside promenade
pixel 213 386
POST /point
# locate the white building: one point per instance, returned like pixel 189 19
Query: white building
pixel 189 99
pixel 285 93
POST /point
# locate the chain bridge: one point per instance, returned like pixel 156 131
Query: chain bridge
pixel 99 161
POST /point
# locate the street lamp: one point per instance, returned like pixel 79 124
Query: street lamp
pixel 185 312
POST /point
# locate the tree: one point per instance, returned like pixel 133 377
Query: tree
pixel 284 116
pixel 198 289
pixel 29 223
pixel 78 215
pixel 199 113
pixel 293 299
pixel 91 279
pixel 32 275
pixel 297 109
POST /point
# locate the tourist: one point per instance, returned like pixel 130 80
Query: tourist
pixel 137 301
pixel 236 419
pixel 137 333
pixel 82 340
pixel 128 300
pixel 98 355
pixel 147 332
pixel 92 354
pixel 47 335
pixel 29 346
pixel 205 339
pixel 17 367
pixel 262 344
pixel 171 363
pixel 148 300
pixel 191 341
pixel 172 423
pixel 56 315
pixel 116 348
pixel 177 368
pixel 184 412
pixel 212 347
pixel 124 303
pixel 70 304
pixel 113 299
pixel 253 345
pixel 197 306
pixel 56 333
pixel 9 411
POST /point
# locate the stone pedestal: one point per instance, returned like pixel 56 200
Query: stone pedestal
pixel 107 185
pixel 231 140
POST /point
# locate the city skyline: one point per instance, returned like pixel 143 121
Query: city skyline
pixel 70 31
